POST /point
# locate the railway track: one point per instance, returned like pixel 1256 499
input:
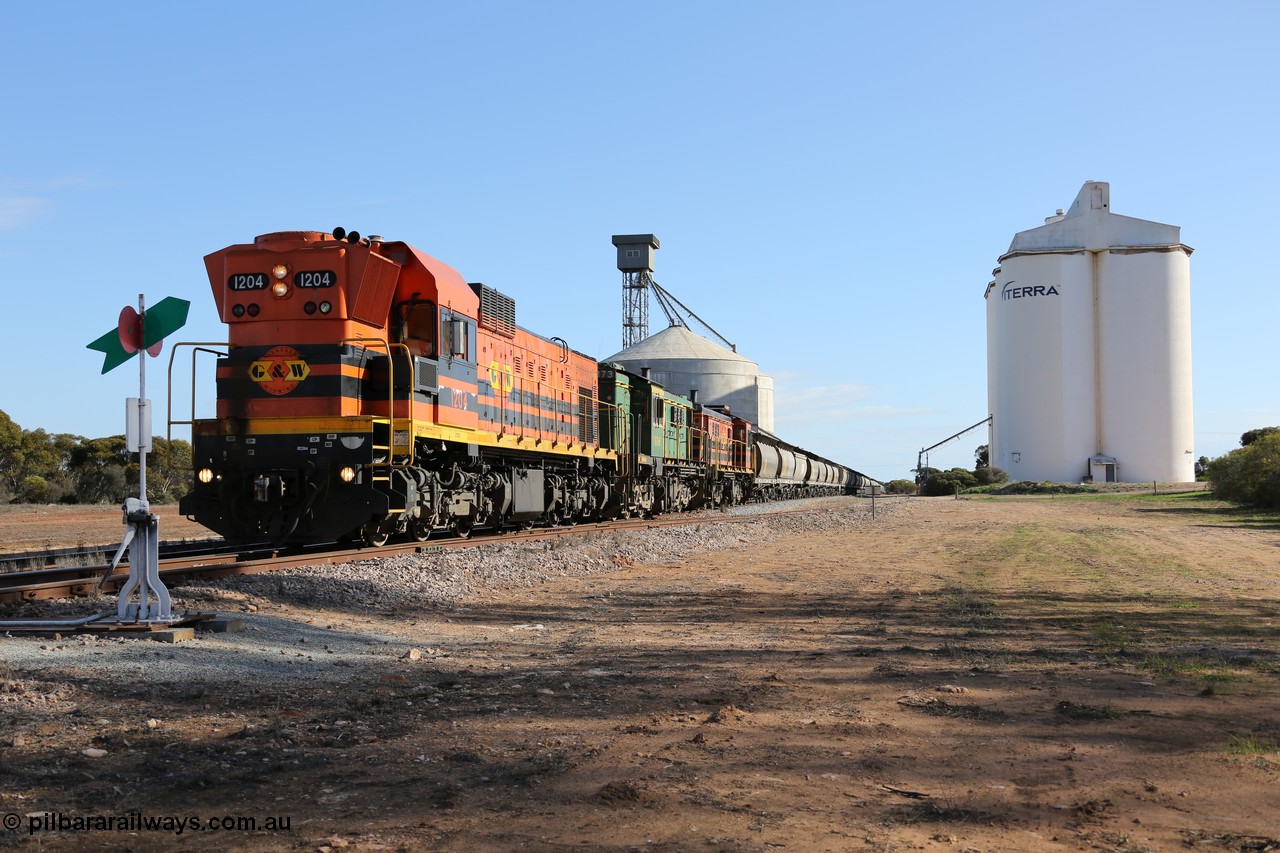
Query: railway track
pixel 93 555
pixel 75 581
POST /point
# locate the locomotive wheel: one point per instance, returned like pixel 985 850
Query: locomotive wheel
pixel 374 535
pixel 462 526
pixel 420 529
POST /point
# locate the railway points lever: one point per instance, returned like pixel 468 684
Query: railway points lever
pixel 141 330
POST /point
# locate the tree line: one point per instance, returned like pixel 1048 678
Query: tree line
pixel 1250 474
pixel 935 482
pixel 41 467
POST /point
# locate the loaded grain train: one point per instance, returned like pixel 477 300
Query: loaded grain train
pixel 368 390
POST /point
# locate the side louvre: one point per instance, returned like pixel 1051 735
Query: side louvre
pixel 588 416
pixel 497 311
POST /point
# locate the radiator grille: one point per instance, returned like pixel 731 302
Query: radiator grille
pixel 588 420
pixel 497 311
pixel 426 375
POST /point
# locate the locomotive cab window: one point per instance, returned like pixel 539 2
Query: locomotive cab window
pixel 418 329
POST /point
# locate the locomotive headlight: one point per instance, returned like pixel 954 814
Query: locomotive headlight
pixel 280 272
pixel 280 289
pixel 347 473
pixel 205 475
pixel 325 307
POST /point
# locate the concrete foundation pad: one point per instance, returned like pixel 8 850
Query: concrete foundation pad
pixel 170 635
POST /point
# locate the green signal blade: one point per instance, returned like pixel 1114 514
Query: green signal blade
pixel 163 319
pixel 109 345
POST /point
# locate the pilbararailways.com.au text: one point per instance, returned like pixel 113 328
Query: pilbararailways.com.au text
pixel 139 822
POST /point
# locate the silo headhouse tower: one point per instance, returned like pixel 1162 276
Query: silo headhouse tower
pixel 1089 349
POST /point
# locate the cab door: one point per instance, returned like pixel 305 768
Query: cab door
pixel 456 404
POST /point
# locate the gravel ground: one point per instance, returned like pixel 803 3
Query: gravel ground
pixel 1030 674
pixel 306 623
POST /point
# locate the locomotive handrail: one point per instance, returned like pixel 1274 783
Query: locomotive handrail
pixel 620 442
pixel 501 396
pixel 197 347
pixel 539 409
pixel 391 397
pixel 732 453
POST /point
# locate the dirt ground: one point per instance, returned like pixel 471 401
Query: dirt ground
pixel 26 529
pixel 968 675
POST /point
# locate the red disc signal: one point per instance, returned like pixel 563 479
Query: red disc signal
pixel 130 329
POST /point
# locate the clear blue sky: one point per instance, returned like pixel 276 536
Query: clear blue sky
pixel 832 182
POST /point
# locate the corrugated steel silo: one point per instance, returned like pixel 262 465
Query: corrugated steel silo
pixel 683 361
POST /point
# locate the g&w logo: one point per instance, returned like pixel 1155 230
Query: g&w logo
pixel 279 370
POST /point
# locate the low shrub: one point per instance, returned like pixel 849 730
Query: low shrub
pixel 1029 487
pixel 1249 475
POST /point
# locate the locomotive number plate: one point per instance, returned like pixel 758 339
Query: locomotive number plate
pixel 315 278
pixel 247 281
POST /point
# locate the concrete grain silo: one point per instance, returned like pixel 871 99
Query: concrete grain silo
pixel 1089 349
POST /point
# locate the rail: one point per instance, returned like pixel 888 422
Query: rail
pixel 17 587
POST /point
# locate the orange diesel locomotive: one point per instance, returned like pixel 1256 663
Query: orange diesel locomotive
pixel 369 391
pixel 368 388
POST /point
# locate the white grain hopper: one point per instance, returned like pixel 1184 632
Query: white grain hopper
pixel 1089 349
pixel 682 361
